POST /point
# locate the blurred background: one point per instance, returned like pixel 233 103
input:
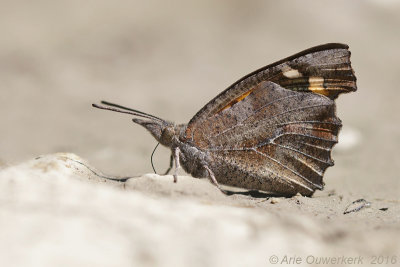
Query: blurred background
pixel 169 58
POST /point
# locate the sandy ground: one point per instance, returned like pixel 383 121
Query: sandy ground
pixel 169 59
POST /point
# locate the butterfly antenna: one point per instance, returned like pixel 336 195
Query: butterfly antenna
pixel 151 158
pixel 131 112
pixel 130 109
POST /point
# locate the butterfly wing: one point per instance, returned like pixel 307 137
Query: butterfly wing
pixel 274 129
pixel 324 69
pixel 273 134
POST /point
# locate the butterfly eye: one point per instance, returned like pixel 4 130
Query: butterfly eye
pixel 167 135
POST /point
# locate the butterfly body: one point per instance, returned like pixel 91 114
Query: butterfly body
pixel 273 130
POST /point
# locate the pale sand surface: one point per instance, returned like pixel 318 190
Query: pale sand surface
pixel 56 212
pixel 169 59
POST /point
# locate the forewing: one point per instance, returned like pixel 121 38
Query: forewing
pixel 325 70
pixel 274 131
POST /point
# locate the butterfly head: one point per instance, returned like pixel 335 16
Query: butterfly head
pixel 163 131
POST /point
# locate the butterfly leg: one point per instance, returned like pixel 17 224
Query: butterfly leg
pixel 213 179
pixel 171 163
pixel 177 164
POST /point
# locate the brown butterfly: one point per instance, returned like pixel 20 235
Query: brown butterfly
pixel 272 130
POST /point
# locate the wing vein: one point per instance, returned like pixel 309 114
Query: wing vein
pixel 270 118
pixel 293 171
pixel 303 153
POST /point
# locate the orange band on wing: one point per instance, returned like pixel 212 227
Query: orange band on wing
pixel 316 85
pixel 236 100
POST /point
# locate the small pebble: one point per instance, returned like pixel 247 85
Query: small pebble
pixel 274 200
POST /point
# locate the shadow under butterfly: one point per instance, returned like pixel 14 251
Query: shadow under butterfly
pixel 273 130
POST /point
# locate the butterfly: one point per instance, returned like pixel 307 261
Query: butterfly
pixel 273 130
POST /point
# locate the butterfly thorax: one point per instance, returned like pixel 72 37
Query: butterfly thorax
pixel 191 158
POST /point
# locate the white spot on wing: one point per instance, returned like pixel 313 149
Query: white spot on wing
pixel 292 73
